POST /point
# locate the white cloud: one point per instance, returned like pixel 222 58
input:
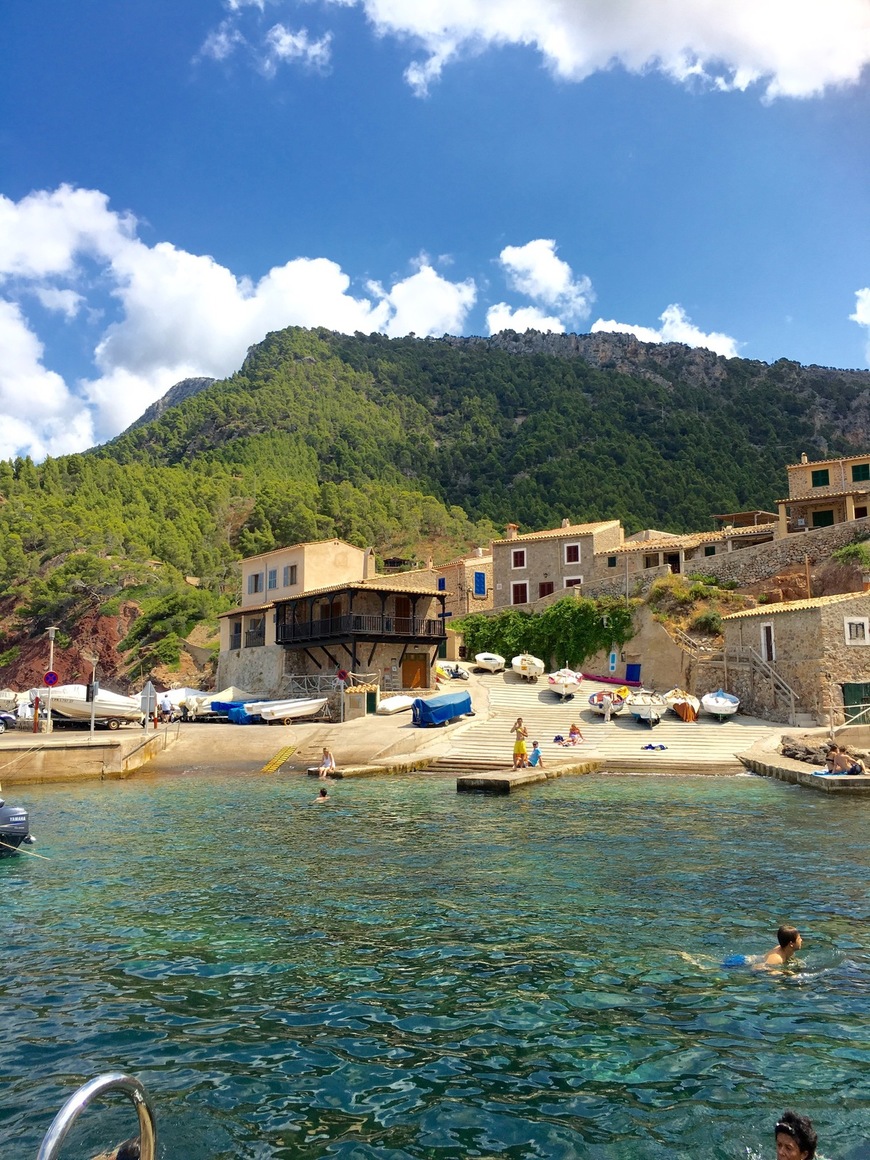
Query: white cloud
pixel 222 41
pixel 862 313
pixel 179 314
pixel 40 415
pixel 794 47
pixel 66 302
pixel 534 270
pixel 676 327
pixel 283 45
pixel 504 317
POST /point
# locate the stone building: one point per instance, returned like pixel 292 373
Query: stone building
pixel 803 658
pixel 530 567
pixel 467 586
pixel 326 611
pixel 825 492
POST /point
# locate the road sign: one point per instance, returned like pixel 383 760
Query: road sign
pixel 50 678
pixel 444 615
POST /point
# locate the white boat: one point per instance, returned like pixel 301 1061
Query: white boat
pixel 286 711
pixel 527 667
pixel 646 706
pixel 720 704
pixel 397 704
pixel 564 682
pixel 683 704
pixel 71 701
pixel 617 700
pixel 201 706
pixel 492 662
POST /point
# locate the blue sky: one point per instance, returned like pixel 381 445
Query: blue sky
pixel 178 179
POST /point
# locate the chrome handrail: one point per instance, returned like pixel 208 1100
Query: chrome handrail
pixel 113 1081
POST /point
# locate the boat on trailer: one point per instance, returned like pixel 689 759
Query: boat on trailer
pixel 491 662
pixel 527 667
pixel 720 704
pixel 617 700
pixel 646 707
pixel 285 711
pixel 564 682
pixel 683 704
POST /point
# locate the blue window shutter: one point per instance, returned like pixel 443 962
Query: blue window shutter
pixel 442 583
pixel 480 584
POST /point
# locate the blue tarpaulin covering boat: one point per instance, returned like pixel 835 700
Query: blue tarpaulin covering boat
pixel 440 710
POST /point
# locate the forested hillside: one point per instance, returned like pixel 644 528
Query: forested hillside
pixel 415 446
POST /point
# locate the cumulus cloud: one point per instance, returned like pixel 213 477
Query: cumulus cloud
pixel 676 327
pixel 794 48
pixel 534 270
pixel 862 313
pixel 176 315
pixel 504 317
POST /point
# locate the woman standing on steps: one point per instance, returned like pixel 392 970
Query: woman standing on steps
pixel 520 751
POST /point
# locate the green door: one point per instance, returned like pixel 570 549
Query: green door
pixel 856 702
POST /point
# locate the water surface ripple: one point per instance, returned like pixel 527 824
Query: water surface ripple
pixel 409 973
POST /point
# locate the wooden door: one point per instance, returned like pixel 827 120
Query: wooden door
pixel 404 623
pixel 415 672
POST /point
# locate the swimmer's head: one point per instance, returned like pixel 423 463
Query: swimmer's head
pixel 795 1136
pixel 788 936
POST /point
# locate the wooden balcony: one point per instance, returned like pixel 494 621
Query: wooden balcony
pixel 360 626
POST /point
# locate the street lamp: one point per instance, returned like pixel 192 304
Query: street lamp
pixel 51 632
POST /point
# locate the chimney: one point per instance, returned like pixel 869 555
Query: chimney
pixel 511 531
pixel 566 523
pixel 368 563
pixel 430 563
pixel 478 552
pixel 804 457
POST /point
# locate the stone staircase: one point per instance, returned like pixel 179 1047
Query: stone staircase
pixel 486 743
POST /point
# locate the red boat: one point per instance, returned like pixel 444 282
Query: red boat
pixel 611 680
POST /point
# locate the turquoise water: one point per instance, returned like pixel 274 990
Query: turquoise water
pixel 411 973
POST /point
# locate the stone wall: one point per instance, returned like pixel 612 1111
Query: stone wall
pixel 256 670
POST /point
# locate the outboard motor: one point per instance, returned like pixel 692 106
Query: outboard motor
pixel 14 829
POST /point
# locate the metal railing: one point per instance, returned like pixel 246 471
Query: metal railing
pixel 114 1081
pixel 359 624
pixel 695 648
pixel 255 638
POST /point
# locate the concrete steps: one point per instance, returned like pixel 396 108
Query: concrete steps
pixel 486 742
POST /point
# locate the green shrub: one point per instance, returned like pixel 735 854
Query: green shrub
pixel 10 656
pixel 709 622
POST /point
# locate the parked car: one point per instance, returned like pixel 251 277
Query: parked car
pixel 7 721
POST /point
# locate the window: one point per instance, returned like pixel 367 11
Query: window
pixel 289 575
pixel 572 553
pixel 611 561
pixel 255 583
pixel 518 558
pixel 860 513
pixel 821 478
pixel 709 549
pixel 652 561
pixel 519 594
pixel 272 579
pixel 442 583
pixel 860 472
pixel 545 588
pixel 480 584
pixel 823 519
pixel 857 630
pixel 573 581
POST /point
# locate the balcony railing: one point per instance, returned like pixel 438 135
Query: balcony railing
pixel 369 626
pixel 235 640
pixel 255 638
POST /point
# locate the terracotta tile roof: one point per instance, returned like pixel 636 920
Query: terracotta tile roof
pixel 689 540
pixel 860 490
pixel 556 533
pixel 839 459
pixel 246 609
pixel 304 544
pixel 799 605
pixel 485 558
pixel 403 582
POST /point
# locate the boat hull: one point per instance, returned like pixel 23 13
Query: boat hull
pixel 527 667
pixel 647 708
pixel 720 704
pixel 490 662
pixel 617 703
pixel 564 683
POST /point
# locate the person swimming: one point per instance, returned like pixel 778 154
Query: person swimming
pixel 795 1137
pixel 788 941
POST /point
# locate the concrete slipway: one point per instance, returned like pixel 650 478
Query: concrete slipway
pixel 479 747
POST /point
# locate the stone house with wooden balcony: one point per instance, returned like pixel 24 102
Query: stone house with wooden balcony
pixel 319 619
pixel 801 660
pixel 535 566
pixel 824 493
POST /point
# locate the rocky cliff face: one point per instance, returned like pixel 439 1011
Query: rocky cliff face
pixel 172 398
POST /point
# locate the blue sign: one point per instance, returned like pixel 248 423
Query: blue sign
pixel 50 678
pixel 444 615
